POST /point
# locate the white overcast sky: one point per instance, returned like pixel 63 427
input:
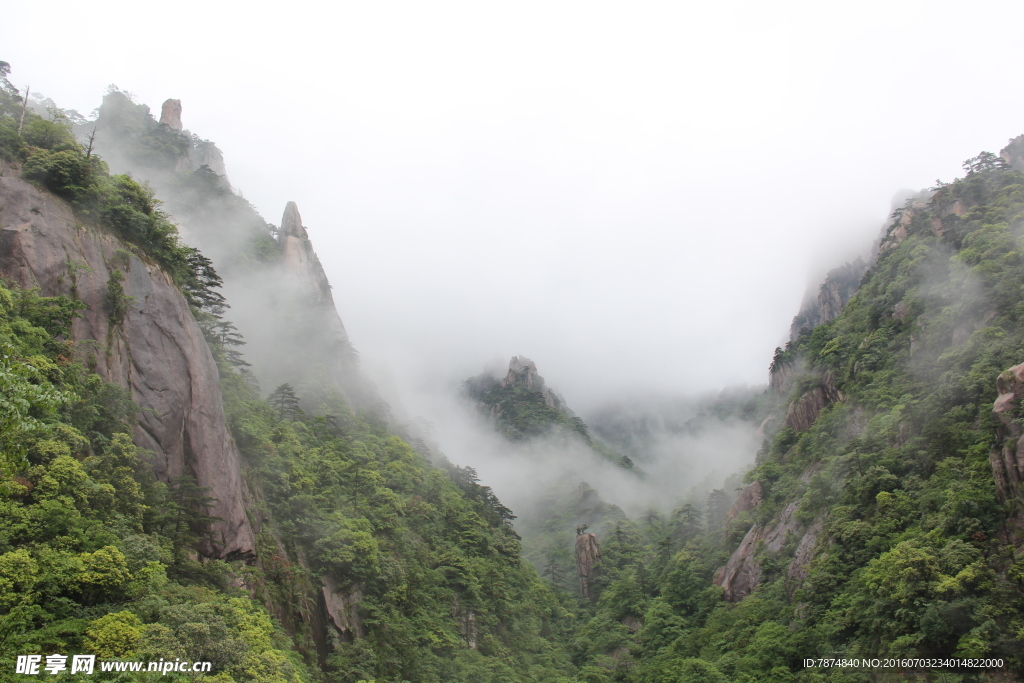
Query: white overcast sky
pixel 632 194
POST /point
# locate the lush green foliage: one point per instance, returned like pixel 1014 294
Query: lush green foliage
pixel 523 413
pixel 896 474
pixel 443 593
pixel 52 157
pixel 910 550
pixel 911 558
pixel 95 555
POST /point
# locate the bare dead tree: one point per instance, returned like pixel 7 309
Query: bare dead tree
pixel 24 106
pixel 92 136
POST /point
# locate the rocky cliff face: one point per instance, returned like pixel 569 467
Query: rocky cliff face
pixel 1013 153
pixel 748 500
pixel 802 412
pixel 1007 457
pixel 157 351
pixel 302 264
pixel 840 284
pixel 342 609
pixel 131 141
pixel 310 347
pixel 742 573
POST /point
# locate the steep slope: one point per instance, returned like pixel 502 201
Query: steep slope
pixel 886 528
pixel 818 308
pixel 269 273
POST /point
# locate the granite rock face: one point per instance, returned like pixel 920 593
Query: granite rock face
pixel 805 410
pixel 840 284
pixel 748 500
pixel 310 346
pixel 742 573
pixel 158 352
pixel 170 114
pixel 301 262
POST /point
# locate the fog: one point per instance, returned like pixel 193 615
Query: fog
pixel 673 464
pixel 636 196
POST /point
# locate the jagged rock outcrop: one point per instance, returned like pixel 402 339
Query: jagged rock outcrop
pixel 301 262
pixel 310 347
pixel 1013 153
pixel 798 567
pixel 157 352
pixel 170 114
pixel 130 140
pixel 265 277
pixel 588 555
pixel 522 372
pixel 840 284
pixel 780 377
pixel 206 153
pixel 1007 456
pixel 342 609
pixel 805 410
pixel 943 209
pixel 748 500
pixel 741 574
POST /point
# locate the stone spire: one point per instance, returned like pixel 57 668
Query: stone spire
pixel 170 114
pixel 588 555
pixel 291 222
pixel 300 259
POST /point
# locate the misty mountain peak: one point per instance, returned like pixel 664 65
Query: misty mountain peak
pixel 291 222
pixel 522 372
pixel 299 257
pixel 170 114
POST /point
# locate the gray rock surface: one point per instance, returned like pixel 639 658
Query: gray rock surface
pixel 302 263
pixel 818 308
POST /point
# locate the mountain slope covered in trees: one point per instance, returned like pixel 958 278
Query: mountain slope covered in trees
pixel 880 519
pixel 369 561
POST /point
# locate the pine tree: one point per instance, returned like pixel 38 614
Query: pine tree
pixel 287 403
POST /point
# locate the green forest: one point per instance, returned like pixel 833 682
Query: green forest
pixel 879 529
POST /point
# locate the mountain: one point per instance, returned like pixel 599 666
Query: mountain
pixel 192 466
pixel 281 302
pixel 156 503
